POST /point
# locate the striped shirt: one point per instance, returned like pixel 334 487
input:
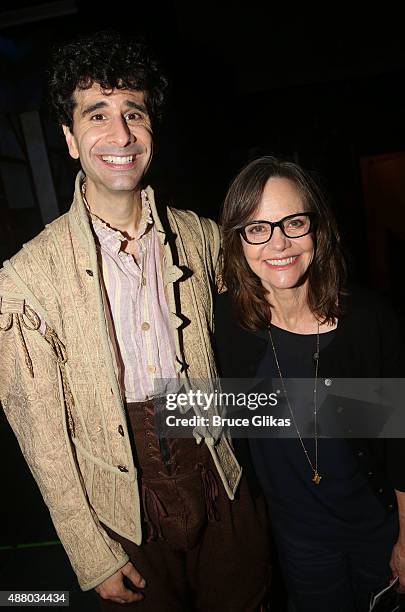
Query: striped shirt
pixel 136 308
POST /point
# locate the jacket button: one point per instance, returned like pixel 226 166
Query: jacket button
pixel 121 430
pixel 122 468
pixel 89 272
pixel 328 382
pixel 380 490
pixel 370 473
pixel 360 454
pixel 390 506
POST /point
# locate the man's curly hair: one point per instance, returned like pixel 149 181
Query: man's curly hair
pixel 111 59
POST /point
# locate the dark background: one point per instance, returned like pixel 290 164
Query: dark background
pixel 322 87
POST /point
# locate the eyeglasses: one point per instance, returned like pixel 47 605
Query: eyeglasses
pixel 292 226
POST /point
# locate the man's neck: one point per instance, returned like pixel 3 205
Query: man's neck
pixel 121 210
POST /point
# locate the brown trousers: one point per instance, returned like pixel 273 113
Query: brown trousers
pixel 201 550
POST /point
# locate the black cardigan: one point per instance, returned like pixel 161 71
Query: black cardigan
pixel 367 344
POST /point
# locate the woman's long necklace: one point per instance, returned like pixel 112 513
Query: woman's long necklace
pixel 316 476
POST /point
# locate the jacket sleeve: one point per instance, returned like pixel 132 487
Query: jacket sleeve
pixel 213 242
pixel 32 394
pixel 218 261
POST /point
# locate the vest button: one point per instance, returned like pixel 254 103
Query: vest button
pixel 121 430
pixel 89 272
pixel 122 468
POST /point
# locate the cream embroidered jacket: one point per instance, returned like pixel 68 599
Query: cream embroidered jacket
pixel 59 389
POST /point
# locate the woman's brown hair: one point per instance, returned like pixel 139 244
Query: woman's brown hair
pixel 327 272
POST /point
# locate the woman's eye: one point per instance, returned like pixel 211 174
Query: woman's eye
pixel 296 223
pixel 256 229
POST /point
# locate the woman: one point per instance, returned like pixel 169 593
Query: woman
pixel 286 315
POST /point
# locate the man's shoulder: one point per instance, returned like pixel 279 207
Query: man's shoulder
pixel 34 257
pixel 189 217
pixel 189 220
pixel 43 243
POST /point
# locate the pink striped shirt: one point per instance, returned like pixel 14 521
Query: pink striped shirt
pixel 136 307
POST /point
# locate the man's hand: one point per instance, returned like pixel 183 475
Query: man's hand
pixel 114 588
pixel 397 565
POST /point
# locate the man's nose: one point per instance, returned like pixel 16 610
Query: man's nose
pixel 119 133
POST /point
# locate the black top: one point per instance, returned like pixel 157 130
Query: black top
pixel 366 344
pixel 343 505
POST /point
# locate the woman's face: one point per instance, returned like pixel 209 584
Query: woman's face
pixel 282 262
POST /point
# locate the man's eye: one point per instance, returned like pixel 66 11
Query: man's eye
pixel 97 117
pixel 133 116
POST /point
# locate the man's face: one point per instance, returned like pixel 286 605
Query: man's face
pixel 112 137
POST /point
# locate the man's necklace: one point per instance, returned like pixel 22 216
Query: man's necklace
pixel 316 476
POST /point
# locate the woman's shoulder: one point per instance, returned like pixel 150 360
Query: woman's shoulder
pixel 369 316
pixel 238 350
pixel 362 301
pixel 223 298
pixel 223 308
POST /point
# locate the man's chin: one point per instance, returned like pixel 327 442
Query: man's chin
pixel 119 185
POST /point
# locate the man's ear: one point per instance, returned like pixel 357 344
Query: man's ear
pixel 71 142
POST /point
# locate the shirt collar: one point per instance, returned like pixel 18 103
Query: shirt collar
pixel 111 238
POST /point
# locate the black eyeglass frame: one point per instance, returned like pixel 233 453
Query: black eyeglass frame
pixel 311 215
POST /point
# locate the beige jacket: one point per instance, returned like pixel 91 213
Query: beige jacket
pixel 59 390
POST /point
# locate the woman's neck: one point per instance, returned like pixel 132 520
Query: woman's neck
pixel 290 310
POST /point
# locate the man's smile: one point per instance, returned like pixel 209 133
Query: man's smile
pixel 119 162
pixel 113 159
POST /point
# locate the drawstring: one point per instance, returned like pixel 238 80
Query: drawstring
pixel 28 319
pixel 210 493
pixel 153 505
pixel 28 361
pixel 56 344
pixel 61 356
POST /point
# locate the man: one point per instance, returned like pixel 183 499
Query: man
pixel 108 301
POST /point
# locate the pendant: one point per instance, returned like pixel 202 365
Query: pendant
pixel 317 478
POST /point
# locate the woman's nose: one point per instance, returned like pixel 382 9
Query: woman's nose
pixel 279 241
